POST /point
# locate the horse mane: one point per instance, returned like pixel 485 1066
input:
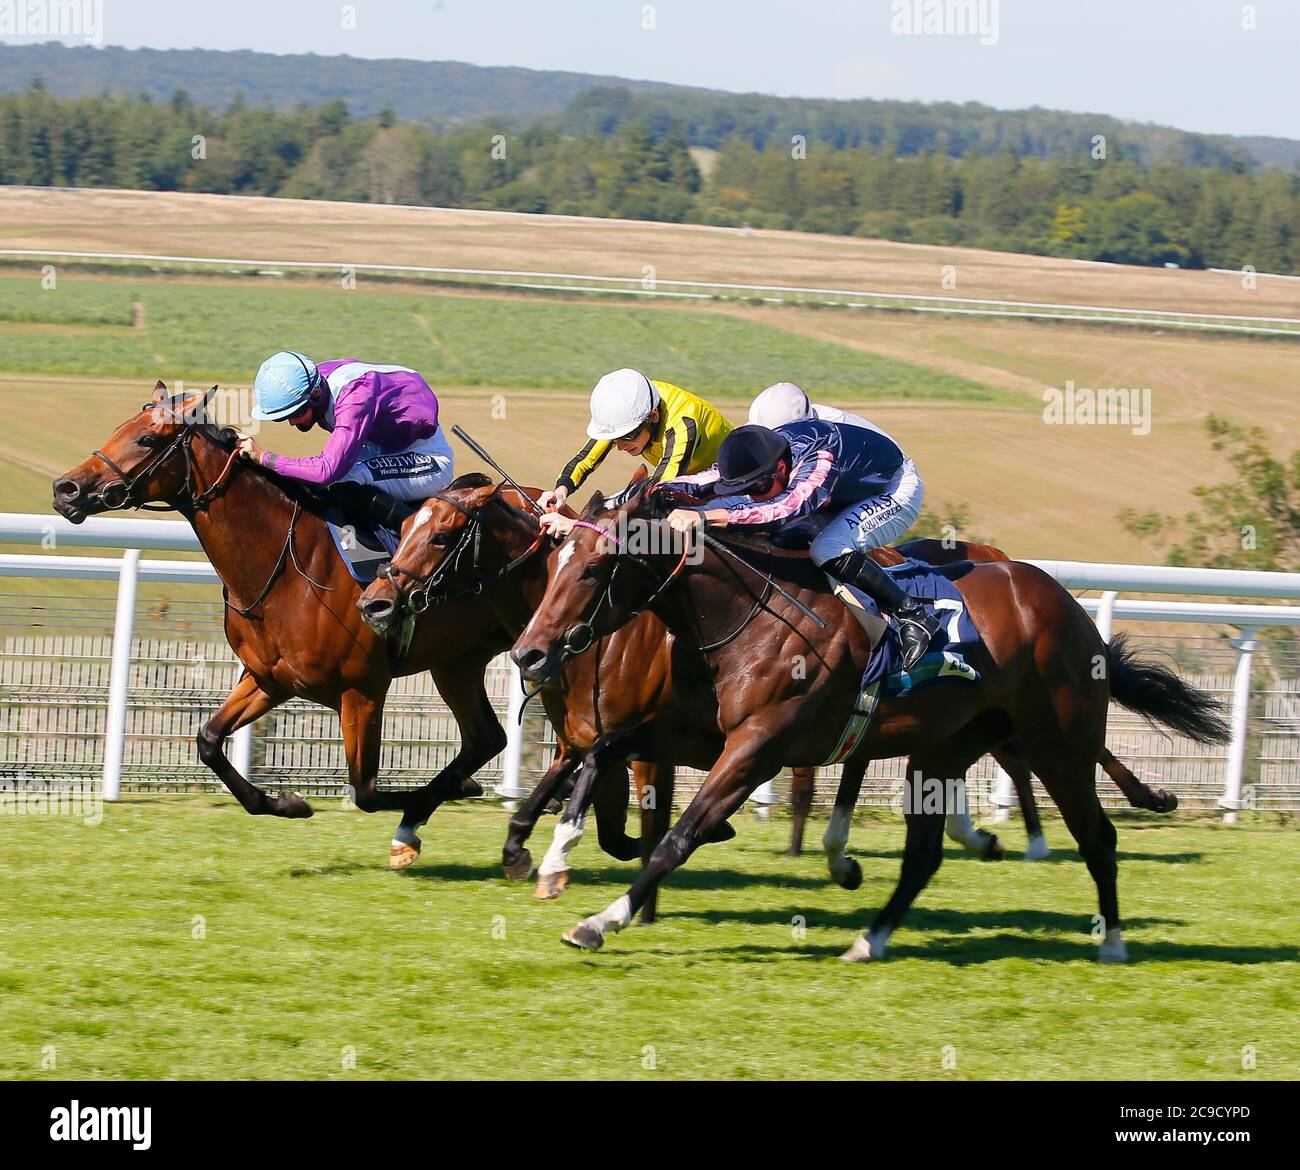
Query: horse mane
pixel 471 479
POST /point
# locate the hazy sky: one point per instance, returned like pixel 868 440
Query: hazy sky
pixel 1186 63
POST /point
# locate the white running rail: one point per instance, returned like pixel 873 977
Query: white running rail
pixel 134 535
pixel 692 289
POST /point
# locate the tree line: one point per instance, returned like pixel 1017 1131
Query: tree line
pixel 609 154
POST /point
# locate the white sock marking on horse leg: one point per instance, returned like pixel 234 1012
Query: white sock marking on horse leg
pixel 405 835
pixel 614 917
pixel 960 828
pixel 834 841
pixel 1112 949
pixel 868 947
pixel 1037 849
pixel 567 835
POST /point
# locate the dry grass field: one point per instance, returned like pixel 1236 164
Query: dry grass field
pixel 287 229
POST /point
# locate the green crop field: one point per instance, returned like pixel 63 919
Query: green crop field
pixel 205 331
pixel 180 937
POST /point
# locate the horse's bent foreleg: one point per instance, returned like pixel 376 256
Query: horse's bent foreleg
pixel 739 770
pixel 553 873
pixel 516 859
pixel 481 738
pixel 609 799
pixel 247 703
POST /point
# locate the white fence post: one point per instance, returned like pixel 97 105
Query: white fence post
pixel 1002 795
pixel 510 788
pixel 1106 614
pixel 764 797
pixel 119 675
pixel 241 756
pixel 1240 723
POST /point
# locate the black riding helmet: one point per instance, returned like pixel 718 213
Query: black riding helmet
pixel 748 456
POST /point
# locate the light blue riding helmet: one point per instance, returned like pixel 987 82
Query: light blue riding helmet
pixel 283 384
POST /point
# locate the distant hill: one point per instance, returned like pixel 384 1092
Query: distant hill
pixel 448 92
pixel 426 91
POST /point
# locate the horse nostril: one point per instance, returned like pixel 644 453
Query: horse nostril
pixel 528 659
pixel 67 489
pixel 376 607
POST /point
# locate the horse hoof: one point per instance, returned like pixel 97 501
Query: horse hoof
pixel 551 885
pixel 996 851
pixel 553 807
pixel 854 877
pixel 400 854
pixel 720 833
pixel 1037 849
pixel 585 937
pixel 469 787
pixel 1166 801
pixel 520 869
pixel 291 805
pixel 624 848
pixel 861 951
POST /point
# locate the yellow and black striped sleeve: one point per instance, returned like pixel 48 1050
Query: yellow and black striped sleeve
pixel 679 450
pixel 583 464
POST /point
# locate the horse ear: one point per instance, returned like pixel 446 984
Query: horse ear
pixel 641 474
pixel 594 505
pixel 160 394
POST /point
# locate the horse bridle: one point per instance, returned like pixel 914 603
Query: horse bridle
pixel 123 490
pixel 431 588
pixel 581 636
pixel 119 494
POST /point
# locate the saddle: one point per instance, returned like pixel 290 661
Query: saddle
pixel 365 523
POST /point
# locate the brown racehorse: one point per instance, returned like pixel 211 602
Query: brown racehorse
pixel 786 686
pixel 474 537
pixel 291 613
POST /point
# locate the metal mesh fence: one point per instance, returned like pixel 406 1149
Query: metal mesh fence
pixel 55 653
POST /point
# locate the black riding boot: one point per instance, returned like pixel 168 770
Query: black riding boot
pixel 917 626
pixel 388 510
pixel 363 501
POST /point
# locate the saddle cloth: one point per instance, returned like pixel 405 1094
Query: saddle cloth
pixel 364 546
pixel 946 657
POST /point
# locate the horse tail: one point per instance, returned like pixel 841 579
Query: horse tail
pixel 1160 696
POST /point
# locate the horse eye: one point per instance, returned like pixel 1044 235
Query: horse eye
pixel 440 539
pixel 588 574
pixel 148 440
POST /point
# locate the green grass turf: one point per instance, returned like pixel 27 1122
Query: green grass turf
pixel 312 950
pixel 202 332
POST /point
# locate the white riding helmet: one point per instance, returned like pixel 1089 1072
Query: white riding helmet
pixel 779 404
pixel 620 403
